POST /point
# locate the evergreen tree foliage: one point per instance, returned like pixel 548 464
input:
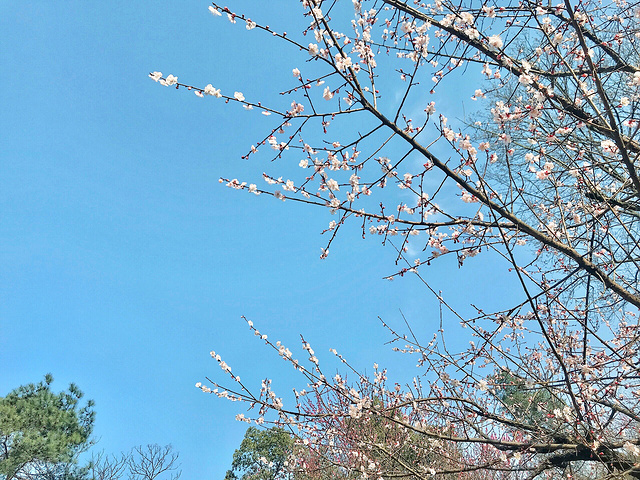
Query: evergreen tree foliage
pixel 43 432
pixel 262 455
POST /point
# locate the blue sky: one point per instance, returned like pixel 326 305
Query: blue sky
pixel 124 261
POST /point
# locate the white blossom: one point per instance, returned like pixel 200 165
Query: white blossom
pixel 431 108
pixel 209 90
pixel 495 41
pixel 170 80
pixel 631 448
pixel 332 184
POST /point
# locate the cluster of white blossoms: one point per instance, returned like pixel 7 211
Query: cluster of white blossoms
pixel 167 82
pixel 226 368
pixel 209 90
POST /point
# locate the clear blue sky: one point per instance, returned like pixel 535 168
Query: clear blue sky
pixel 123 261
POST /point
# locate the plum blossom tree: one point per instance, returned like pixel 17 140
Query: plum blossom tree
pixel 545 179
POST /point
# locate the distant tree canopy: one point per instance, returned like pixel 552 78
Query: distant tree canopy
pixel 42 432
pixel 262 455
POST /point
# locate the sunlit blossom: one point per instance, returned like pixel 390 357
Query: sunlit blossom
pixel 495 41
pixel 332 185
pixel 209 90
pixel 170 80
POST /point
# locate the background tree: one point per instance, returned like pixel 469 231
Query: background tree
pixel 546 181
pixel 262 455
pixel 141 463
pixel 521 399
pixel 108 467
pixel 153 461
pixel 42 432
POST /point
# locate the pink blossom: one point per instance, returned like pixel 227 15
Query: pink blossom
pixel 525 79
pixel 468 198
pixel 609 146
